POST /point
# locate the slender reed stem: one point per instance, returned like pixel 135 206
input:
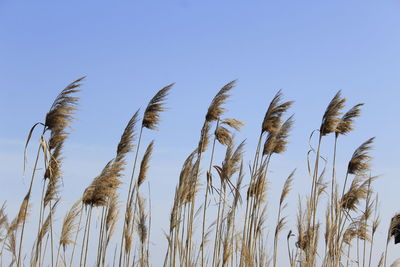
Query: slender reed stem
pixel 27 205
pixel 130 195
pixel 88 236
pixel 76 235
pixel 206 196
pixel 84 239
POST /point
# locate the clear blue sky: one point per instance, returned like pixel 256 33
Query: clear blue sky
pixel 130 49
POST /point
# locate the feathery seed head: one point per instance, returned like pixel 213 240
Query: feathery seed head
pixel 345 124
pixel 359 162
pixel 151 117
pixel 144 165
pixel 215 110
pixel 272 118
pixel 330 118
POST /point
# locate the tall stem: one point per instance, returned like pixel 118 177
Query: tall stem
pixel 206 196
pixel 41 214
pixel 27 204
pixel 314 200
pixel 252 178
pixel 130 194
pixel 76 235
pixel 333 200
pixel 276 236
pixel 84 239
pixel 100 241
pixel 51 234
pixel 88 236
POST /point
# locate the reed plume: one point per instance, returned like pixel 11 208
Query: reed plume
pixel 204 137
pixel 276 142
pixel 57 120
pixel 233 123
pixel 281 222
pixel 64 106
pixel 357 191
pixel 330 119
pixel 272 118
pixel 144 165
pixel 105 184
pixel 69 226
pixel 151 117
pixel 345 124
pixel 215 110
pixel 359 162
pixel 23 213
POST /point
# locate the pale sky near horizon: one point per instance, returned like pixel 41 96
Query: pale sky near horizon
pixel 130 49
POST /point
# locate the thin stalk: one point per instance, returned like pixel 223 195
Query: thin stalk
pixel 256 211
pixel 115 254
pixel 248 202
pixel 27 205
pixel 181 250
pixel 206 196
pixel 88 236
pixel 218 225
pixel 84 239
pixel 314 185
pixel 51 234
pixel 76 235
pixel 333 202
pixel 45 248
pixel 358 251
pixel 222 220
pixel 370 250
pixel 149 232
pixel 58 254
pixel 348 256
pixel 386 250
pixel 276 236
pixel 366 220
pixel 41 214
pixel 100 241
pixel 130 193
pixel 134 215
pixel 190 218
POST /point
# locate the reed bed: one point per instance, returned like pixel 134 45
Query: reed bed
pixel 225 200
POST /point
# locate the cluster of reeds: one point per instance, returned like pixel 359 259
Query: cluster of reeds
pixel 227 204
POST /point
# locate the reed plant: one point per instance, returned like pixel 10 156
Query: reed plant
pixel 230 206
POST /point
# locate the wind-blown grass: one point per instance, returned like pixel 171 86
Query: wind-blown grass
pixel 230 204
